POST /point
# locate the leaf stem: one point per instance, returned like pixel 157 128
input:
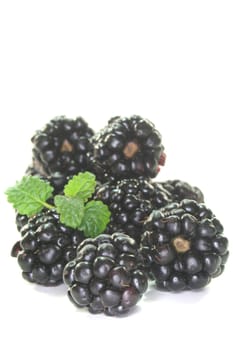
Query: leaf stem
pixel 47 205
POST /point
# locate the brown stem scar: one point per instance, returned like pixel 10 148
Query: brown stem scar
pixel 66 146
pixel 181 245
pixel 130 149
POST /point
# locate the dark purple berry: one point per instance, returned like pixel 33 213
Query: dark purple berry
pixel 130 202
pixel 128 148
pixel 45 248
pixel 112 281
pixel 183 246
pixel 62 149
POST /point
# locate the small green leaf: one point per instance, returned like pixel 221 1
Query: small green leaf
pixel 81 185
pixel 71 210
pixel 29 195
pixel 95 219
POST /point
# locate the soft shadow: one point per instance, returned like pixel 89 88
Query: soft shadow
pixel 134 310
pixel 183 297
pixel 57 291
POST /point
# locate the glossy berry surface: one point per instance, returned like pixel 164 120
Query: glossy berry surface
pixel 180 190
pixel 45 248
pixel 128 148
pixel 106 276
pixel 183 246
pixel 62 147
pixel 21 220
pixel 130 202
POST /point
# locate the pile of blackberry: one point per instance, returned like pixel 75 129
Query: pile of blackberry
pixel 160 231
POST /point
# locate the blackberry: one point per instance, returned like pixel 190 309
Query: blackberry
pixel 130 202
pixel 106 275
pixel 62 147
pixel 45 248
pixel 183 246
pixel 128 148
pixel 180 190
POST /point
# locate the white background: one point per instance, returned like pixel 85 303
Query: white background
pixel 168 61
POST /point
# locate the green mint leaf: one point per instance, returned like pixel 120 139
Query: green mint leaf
pixel 95 219
pixel 81 185
pixel 29 195
pixel 71 210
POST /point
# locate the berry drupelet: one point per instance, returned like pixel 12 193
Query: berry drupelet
pixel 130 202
pixel 183 246
pixel 106 275
pixel 62 146
pixel 45 248
pixel 20 221
pixel 128 148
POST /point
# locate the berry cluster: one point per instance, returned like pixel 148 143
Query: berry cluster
pixel 130 202
pixel 62 146
pixel 160 231
pixel 129 147
pixel 46 247
pixel 106 275
pixel 183 246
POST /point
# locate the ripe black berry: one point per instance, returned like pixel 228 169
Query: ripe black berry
pixel 183 246
pixel 128 148
pixel 62 147
pixel 45 248
pixel 106 275
pixel 130 202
